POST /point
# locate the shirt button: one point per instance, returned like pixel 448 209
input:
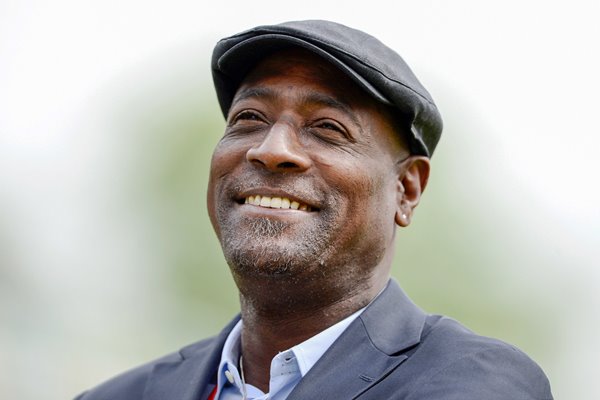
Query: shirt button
pixel 229 376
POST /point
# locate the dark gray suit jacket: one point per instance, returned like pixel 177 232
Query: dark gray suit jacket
pixel 393 350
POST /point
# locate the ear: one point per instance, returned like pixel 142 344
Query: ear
pixel 413 174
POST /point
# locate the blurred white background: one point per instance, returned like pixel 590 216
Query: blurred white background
pixel 100 101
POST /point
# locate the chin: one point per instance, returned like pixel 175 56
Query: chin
pixel 272 248
pixel 270 257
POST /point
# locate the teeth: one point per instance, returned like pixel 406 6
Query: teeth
pixel 265 202
pixel 276 202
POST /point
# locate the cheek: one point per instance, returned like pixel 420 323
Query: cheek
pixel 375 189
pixel 225 159
pixel 223 162
pixel 360 180
pixel 210 197
pixel 366 191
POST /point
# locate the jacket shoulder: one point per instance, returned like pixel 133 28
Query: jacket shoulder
pixel 131 384
pixel 454 363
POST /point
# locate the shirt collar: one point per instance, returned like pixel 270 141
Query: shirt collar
pixel 310 351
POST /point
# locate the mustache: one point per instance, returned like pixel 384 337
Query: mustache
pixel 298 186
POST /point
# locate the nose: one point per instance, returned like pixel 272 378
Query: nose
pixel 280 150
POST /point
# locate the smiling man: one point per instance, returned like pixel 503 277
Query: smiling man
pixel 325 154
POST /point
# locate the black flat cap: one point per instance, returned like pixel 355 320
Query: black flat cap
pixel 371 64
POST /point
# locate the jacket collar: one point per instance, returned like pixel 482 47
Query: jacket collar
pixel 393 322
pixel 372 347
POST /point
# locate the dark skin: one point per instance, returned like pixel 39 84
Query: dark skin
pixel 300 130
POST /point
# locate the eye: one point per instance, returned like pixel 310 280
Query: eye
pixel 330 126
pixel 247 115
pixel 245 122
pixel 330 130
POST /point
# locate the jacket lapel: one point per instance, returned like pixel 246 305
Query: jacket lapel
pixel 193 375
pixel 371 348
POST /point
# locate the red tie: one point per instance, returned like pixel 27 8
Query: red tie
pixel 213 394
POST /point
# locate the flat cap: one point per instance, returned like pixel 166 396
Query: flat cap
pixel 371 64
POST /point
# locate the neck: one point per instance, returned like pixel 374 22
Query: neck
pixel 279 313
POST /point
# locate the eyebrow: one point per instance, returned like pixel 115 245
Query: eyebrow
pixel 254 92
pixel 307 98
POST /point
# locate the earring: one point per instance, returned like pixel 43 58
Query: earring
pixel 403 216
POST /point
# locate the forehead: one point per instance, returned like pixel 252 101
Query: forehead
pixel 301 69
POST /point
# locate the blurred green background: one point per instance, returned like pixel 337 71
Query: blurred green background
pixel 107 123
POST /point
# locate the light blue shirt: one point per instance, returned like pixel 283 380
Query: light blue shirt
pixel 287 367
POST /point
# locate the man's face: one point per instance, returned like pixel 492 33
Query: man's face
pixel 305 177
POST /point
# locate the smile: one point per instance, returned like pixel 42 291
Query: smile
pixel 276 202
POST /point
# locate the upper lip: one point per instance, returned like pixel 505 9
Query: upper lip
pixel 265 191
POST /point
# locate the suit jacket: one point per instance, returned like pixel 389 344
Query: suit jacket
pixel 393 350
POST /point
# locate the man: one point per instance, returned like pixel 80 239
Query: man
pixel 326 151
